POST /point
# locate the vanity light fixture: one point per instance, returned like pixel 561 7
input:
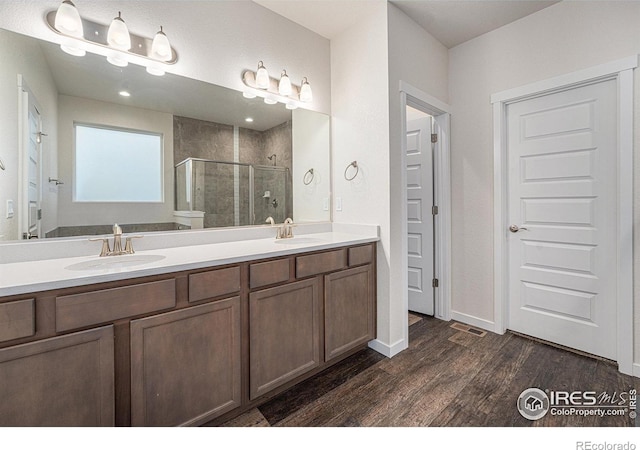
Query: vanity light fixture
pixel 284 86
pixel 68 21
pixel 262 76
pixel 272 91
pixel 160 47
pixel 114 41
pixel 305 91
pixel 118 36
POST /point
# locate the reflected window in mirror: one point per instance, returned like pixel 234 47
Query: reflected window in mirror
pixel 116 165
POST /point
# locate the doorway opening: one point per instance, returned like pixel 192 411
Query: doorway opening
pixel 426 206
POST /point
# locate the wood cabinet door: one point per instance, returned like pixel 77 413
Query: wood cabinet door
pixel 66 381
pixel 185 365
pixel 284 334
pixel 349 310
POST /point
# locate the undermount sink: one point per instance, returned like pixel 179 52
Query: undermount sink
pixel 298 240
pixel 115 262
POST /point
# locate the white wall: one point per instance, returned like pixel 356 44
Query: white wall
pixel 215 40
pixel 311 138
pixel 93 112
pixel 560 39
pixel 419 59
pixel 22 56
pixel 360 131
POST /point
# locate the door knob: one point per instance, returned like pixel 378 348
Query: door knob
pixel 516 228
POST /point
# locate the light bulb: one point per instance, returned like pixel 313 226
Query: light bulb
pixel 118 34
pixel 284 86
pixel 160 48
pixel 68 20
pixel 305 91
pixel 262 76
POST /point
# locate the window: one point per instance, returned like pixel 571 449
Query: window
pixel 116 165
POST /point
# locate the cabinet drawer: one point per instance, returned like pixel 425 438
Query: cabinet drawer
pixel 214 283
pixel 360 255
pixel 90 308
pixel 17 319
pixel 266 273
pixel 315 264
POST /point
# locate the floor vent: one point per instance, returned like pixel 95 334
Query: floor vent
pixel 468 329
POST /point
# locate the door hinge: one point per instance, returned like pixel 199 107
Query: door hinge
pixel 40 214
pixel 434 210
pixel 434 138
pixel 435 283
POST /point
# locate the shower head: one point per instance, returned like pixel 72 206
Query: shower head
pixel 271 157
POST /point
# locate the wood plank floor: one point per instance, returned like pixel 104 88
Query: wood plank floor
pixel 446 378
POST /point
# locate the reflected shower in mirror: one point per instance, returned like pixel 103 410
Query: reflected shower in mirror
pixel 247 159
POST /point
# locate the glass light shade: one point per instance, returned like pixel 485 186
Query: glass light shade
pixel 262 76
pixel 247 94
pixel 291 105
pixel 161 48
pixel 155 70
pixel 284 86
pixel 118 35
pixel 68 20
pixel 117 60
pixel 305 91
pixel 73 48
pixel 270 101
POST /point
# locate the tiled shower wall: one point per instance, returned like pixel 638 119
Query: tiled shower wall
pixel 209 140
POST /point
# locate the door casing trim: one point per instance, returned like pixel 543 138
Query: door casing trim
pixel 621 71
pixel 441 112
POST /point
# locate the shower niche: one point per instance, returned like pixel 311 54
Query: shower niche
pixel 224 194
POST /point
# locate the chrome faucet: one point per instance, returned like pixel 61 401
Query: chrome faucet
pixel 117 243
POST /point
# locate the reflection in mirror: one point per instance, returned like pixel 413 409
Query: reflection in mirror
pixel 226 160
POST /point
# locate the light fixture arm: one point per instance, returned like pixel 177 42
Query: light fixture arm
pixel 96 35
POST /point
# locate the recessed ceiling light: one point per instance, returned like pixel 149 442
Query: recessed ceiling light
pixel 248 119
pixel 124 94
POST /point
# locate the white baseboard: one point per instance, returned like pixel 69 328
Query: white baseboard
pixel 388 350
pixel 636 370
pixel 473 321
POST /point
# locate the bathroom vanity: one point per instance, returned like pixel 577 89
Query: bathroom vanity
pixel 187 344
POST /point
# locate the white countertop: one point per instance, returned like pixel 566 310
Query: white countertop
pixel 42 275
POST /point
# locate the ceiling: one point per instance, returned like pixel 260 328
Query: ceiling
pixel 452 22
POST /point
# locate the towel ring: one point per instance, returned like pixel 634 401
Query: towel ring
pixel 2 165
pixel 307 177
pixel 354 164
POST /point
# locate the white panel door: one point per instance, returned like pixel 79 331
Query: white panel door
pixel 562 211
pixel 420 220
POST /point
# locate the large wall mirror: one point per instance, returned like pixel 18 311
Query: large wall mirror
pixel 99 144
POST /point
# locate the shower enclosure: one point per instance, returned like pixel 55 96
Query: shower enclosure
pixel 233 194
